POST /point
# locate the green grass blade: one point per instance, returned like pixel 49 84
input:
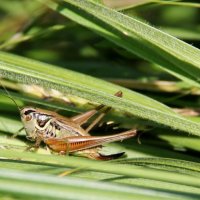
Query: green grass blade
pixel 29 71
pixel 48 165
pixel 35 185
pixel 172 3
pixel 32 72
pixel 106 167
pixel 175 56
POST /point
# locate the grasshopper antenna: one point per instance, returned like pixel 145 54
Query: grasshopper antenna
pixel 9 96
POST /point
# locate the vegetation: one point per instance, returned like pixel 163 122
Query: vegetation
pixel 69 56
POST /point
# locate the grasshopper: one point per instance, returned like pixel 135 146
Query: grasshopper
pixel 66 135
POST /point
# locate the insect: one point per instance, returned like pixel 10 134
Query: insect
pixel 66 135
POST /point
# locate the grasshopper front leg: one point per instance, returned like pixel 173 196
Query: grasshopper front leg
pixel 35 146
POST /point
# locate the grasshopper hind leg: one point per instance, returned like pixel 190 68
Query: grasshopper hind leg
pixel 84 117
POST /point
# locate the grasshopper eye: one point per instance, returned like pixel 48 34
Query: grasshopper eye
pixel 28 117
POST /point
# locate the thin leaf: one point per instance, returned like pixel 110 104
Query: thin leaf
pixel 46 187
pixel 32 72
pixel 130 171
pixel 176 57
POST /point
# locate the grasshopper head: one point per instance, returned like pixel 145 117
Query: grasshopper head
pixel 29 121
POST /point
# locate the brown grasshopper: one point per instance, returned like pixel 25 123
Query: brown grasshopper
pixel 65 135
